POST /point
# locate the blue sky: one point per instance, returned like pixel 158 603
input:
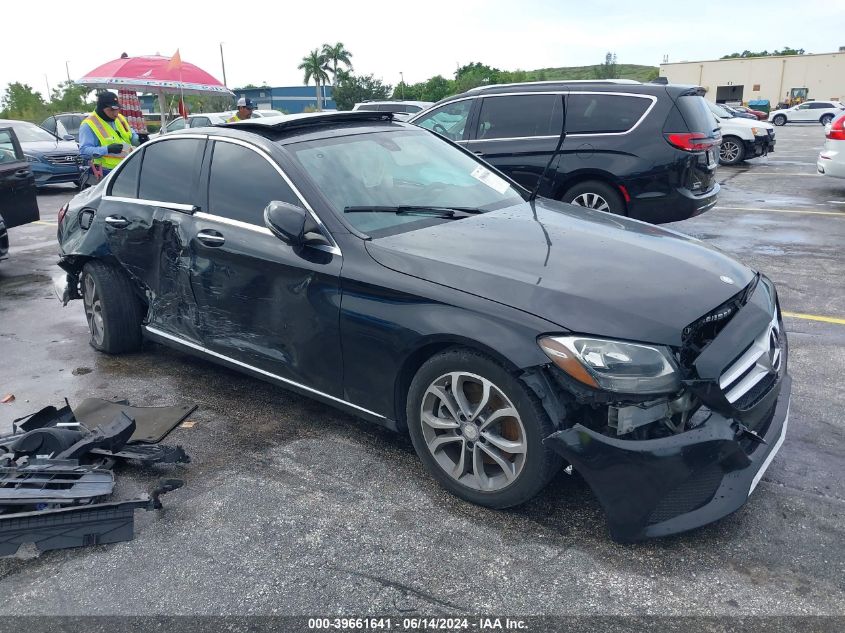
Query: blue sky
pixel 265 41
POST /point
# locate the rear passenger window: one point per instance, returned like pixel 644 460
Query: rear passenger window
pixel 513 116
pixel 168 170
pixel 243 183
pixel 125 183
pixel 603 113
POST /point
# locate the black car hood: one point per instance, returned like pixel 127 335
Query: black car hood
pixel 586 271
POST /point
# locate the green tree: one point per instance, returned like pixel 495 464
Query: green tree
pixel 70 97
pixel 313 66
pixel 20 101
pixel 608 69
pixel 351 89
pixel 334 55
pixel 476 74
pixel 785 51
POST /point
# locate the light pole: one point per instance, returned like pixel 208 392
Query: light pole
pixel 46 81
pixel 67 68
pixel 402 78
pixel 223 64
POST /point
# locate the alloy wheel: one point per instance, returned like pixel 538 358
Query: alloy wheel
pixel 591 201
pixel 93 309
pixel 473 431
pixel 729 151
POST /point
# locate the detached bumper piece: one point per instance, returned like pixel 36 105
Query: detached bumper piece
pixel 56 479
pixel 78 526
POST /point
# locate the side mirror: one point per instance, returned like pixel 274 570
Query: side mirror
pixel 293 225
pixel 68 137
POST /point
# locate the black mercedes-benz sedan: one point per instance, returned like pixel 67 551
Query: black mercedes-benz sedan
pixel 385 270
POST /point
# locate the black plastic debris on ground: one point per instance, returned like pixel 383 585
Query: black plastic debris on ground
pixel 56 473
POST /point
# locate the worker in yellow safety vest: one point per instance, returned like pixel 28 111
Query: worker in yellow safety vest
pixel 245 108
pixel 105 137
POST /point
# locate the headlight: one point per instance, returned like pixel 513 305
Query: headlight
pixel 614 365
pixel 31 159
pixel 759 131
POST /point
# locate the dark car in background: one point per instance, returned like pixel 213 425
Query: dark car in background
pixel 379 268
pixel 65 124
pixel 648 151
pixel 18 202
pixel 52 159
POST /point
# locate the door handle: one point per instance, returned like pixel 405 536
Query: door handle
pixel 117 221
pixel 479 153
pixel 211 238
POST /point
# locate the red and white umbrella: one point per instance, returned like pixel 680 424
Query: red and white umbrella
pixel 154 73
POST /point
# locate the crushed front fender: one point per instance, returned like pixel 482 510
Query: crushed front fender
pixel 651 488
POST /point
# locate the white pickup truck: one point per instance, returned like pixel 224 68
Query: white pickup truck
pixel 742 138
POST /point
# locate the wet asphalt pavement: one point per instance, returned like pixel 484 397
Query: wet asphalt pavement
pixel 290 507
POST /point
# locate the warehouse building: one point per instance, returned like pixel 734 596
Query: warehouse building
pixel 776 78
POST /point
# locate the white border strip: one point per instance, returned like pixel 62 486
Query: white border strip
pixel 771 454
pixel 204 350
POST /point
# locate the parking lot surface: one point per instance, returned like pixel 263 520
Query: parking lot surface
pixel 290 507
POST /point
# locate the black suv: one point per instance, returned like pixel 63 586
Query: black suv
pixel 648 151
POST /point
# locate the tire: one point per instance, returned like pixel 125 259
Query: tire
pixel 595 194
pixel 731 151
pixel 487 475
pixel 779 120
pixel 826 118
pixel 112 309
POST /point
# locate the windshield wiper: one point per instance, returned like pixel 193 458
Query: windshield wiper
pixel 441 212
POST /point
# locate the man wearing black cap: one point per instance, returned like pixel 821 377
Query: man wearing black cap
pixel 245 108
pixel 105 136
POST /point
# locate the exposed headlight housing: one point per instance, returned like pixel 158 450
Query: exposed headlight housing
pixel 614 365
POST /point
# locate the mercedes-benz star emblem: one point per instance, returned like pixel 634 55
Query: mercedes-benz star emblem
pixel 726 279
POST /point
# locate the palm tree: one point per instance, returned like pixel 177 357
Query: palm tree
pixel 313 65
pixel 335 55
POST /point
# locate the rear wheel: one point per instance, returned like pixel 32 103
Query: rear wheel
pixel 779 119
pixel 478 430
pixel 112 309
pixel 595 194
pixel 826 118
pixel 731 151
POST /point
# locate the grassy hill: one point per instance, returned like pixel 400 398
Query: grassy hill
pixel 624 71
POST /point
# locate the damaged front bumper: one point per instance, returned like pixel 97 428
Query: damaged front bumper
pixel 651 488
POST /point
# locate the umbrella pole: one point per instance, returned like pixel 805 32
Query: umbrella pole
pixel 162 106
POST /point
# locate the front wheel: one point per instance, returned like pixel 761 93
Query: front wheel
pixel 597 195
pixel 826 118
pixel 731 151
pixel 478 430
pixel 112 309
pixel 779 120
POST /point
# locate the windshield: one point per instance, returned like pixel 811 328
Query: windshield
pixel 399 168
pixel 29 132
pixel 719 111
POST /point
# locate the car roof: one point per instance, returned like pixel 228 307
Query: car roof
pixel 281 128
pixel 585 85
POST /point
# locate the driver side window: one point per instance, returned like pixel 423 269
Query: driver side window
pixel 449 120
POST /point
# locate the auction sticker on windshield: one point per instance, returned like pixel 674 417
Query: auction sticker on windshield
pixel 490 179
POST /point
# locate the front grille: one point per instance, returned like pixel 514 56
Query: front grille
pixel 746 378
pixel 698 334
pixel 61 159
pixel 690 495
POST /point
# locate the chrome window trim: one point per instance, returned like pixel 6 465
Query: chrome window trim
pixel 323 228
pixel 188 208
pixel 202 215
pixel 645 114
pixel 205 350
